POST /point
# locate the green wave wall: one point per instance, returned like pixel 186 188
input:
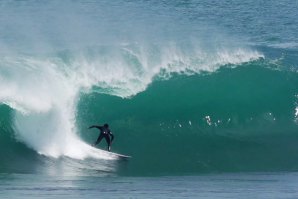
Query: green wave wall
pixel 237 119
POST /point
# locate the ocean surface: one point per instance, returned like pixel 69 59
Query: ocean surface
pixel 202 94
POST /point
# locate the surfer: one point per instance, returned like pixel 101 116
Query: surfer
pixel 104 133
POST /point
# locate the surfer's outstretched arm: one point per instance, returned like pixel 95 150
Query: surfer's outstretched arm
pixel 94 126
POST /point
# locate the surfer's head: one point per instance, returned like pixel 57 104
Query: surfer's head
pixel 106 125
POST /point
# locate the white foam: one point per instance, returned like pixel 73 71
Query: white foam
pixel 286 45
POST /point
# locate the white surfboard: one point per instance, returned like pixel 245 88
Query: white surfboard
pixel 117 155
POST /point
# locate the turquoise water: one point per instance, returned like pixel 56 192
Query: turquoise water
pixel 190 89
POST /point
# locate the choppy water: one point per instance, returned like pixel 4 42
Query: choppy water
pixel 253 185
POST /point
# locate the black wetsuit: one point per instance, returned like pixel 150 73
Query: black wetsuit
pixel 104 133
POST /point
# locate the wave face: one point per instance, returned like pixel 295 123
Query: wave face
pixel 241 119
pixel 181 93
